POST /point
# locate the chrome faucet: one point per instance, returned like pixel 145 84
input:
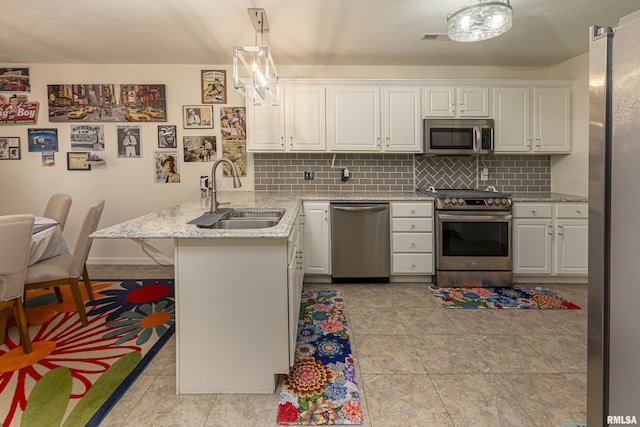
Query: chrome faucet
pixel 236 182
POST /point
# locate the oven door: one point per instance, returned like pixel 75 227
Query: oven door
pixel 474 240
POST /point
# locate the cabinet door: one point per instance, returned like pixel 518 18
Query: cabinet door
pixel 401 119
pixel 354 118
pixel 305 118
pixel 473 102
pixel 532 246
pixel 551 120
pixel 265 128
pixel 512 123
pixel 440 101
pixel 571 246
pixel 317 249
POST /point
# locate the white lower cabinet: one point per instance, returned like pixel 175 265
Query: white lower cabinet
pixel 550 239
pixel 295 278
pixel 412 238
pixel 317 242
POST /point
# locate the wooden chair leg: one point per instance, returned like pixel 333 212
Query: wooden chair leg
pixel 4 314
pixel 87 282
pixel 58 294
pixel 77 297
pixel 23 328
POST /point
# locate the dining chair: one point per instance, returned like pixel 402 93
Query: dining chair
pixel 15 240
pixel 58 208
pixel 66 269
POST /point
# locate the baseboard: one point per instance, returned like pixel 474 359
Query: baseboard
pixel 579 280
pixel 121 261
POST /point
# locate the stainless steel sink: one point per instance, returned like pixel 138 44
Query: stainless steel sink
pixel 244 223
pixel 256 213
pixel 243 218
pixel 247 218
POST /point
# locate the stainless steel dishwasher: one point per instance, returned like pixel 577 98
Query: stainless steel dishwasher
pixel 360 237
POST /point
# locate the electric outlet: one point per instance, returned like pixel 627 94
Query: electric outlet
pixel 484 174
pixel 308 175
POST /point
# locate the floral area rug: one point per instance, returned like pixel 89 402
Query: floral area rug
pixel 75 374
pixel 321 387
pixel 500 298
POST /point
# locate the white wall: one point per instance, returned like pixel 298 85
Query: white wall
pixel 128 184
pixel 570 173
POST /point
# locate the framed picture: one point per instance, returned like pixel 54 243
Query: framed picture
pixel 10 148
pixel 167 136
pixel 129 141
pixel 197 116
pixel 87 137
pixel 199 148
pixel 166 166
pixel 214 86
pixel 76 159
pixel 42 139
pixel 107 103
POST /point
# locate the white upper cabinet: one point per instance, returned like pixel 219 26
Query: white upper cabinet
pixel 374 118
pixel 297 124
pixel 532 120
pixel 443 101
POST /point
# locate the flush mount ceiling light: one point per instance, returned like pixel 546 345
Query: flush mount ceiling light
pixel 482 21
pixel 254 72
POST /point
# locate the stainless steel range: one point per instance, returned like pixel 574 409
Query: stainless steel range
pixel 473 237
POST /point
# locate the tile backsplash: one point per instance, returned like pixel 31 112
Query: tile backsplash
pixel 368 172
pixel 399 172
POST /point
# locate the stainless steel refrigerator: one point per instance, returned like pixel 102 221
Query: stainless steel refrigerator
pixel 613 374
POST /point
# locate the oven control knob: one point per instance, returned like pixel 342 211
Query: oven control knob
pixel 490 202
pixel 447 201
pixel 461 201
pixel 503 201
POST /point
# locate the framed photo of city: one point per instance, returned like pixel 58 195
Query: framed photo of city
pixel 42 139
pixel 197 116
pixel 10 148
pixel 107 103
pixel 214 86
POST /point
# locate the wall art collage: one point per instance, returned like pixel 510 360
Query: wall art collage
pixel 88 108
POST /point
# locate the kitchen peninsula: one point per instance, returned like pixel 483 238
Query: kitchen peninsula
pixel 237 291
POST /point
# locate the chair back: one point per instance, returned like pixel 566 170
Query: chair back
pixel 58 208
pixel 15 242
pixel 83 244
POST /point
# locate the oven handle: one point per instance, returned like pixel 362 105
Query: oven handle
pixel 465 216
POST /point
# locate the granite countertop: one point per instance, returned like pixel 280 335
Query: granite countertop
pixel 547 197
pixel 172 222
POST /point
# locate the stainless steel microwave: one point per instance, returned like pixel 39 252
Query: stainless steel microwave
pixel 458 137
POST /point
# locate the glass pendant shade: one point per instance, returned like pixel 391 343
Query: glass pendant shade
pixel 482 21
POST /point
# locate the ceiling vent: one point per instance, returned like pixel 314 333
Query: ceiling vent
pixel 434 36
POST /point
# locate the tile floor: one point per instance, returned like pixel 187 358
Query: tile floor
pixel 418 364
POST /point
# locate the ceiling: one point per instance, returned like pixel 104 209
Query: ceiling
pixel 303 32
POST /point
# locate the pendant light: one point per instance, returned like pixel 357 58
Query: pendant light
pixel 481 21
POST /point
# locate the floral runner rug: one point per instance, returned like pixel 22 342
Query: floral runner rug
pixel 75 374
pixel 500 298
pixel 321 387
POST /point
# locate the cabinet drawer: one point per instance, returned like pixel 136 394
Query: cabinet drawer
pixel 411 209
pixel 413 263
pixel 412 242
pixel 532 210
pixel 572 210
pixel 412 224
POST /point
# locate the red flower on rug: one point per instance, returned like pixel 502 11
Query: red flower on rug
pixel 287 413
pixel 308 377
